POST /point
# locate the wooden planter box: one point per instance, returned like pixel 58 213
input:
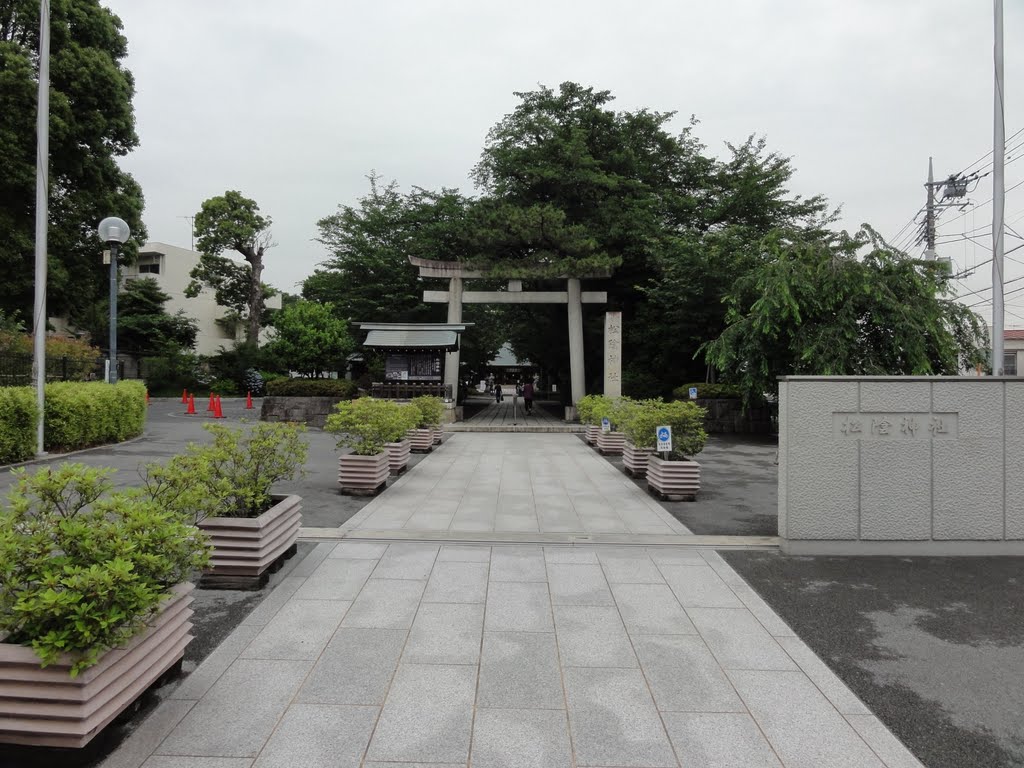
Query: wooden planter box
pixel 363 475
pixel 422 440
pixel 246 550
pixel 634 459
pixel 673 480
pixel 49 708
pixel 610 443
pixel 591 433
pixel 398 456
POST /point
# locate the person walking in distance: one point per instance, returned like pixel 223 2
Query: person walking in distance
pixel 497 393
pixel 528 396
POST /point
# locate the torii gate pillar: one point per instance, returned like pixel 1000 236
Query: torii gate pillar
pixel 451 362
pixel 576 368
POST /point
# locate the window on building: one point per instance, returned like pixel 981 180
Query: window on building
pixel 152 269
pixel 1010 364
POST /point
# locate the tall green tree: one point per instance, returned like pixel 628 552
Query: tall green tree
pixel 232 222
pixel 823 308
pixel 92 123
pixel 145 327
pixel 310 339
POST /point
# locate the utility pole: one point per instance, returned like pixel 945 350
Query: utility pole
pixel 953 189
pixel 998 196
pixel 39 318
pixel 192 222
pixel 929 221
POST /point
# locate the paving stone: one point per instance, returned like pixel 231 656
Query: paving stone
pixel 313 559
pixel 520 738
pixel 406 561
pixel 719 740
pixel 445 633
pixel 738 640
pixel 577 555
pixel 272 603
pixel 520 670
pixel 359 550
pixel 316 735
pixel 828 683
pixel 202 678
pixel 414 765
pixel 238 714
pixel 300 630
pixel 684 676
pixel 592 636
pixel 517 564
pixel 699 587
pixel 385 604
pixel 651 609
pixel 457 582
pixel 355 668
pixel 518 607
pixel 882 741
pixel 613 720
pixel 134 750
pixel 336 579
pixel 583 584
pixel 672 556
pixel 464 554
pixel 428 715
pixel 802 726
pixel 166 761
pixel 762 611
pixel 630 568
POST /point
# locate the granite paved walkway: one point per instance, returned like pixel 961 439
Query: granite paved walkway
pixel 417 655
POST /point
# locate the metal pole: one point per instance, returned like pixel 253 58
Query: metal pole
pixel 998 197
pixel 42 217
pixel 929 227
pixel 113 312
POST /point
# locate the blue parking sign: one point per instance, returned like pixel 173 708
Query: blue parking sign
pixel 664 438
pixel 693 393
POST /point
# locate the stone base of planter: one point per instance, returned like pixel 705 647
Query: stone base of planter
pixel 363 475
pixel 422 440
pixel 591 433
pixel 244 549
pixel 398 456
pixel 673 480
pixel 49 708
pixel 610 443
pixel 634 460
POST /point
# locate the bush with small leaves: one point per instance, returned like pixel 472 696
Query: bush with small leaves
pixel 81 568
pixel 685 419
pixel 593 408
pixel 366 424
pixel 431 409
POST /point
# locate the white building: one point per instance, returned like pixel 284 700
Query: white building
pixel 171 266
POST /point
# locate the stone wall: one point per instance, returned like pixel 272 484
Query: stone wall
pixel 726 416
pixel 309 410
pixel 901 465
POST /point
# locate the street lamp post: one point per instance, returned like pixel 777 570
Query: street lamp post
pixel 113 231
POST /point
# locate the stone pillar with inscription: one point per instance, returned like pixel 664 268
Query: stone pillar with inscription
pixel 613 354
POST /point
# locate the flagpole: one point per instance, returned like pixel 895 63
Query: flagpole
pixel 39 319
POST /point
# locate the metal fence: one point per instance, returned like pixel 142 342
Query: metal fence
pixel 16 370
pixel 406 390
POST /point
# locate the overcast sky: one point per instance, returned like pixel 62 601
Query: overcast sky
pixel 295 103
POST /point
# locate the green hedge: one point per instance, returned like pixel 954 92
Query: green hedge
pixel 18 416
pixel 709 391
pixel 77 415
pixel 313 388
pixel 80 415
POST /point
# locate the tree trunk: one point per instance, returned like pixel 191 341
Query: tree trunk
pixel 255 259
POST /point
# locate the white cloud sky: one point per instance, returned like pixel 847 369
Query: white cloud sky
pixel 294 103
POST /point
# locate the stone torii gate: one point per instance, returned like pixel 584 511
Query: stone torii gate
pixel 573 296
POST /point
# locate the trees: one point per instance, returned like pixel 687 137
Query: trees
pixel 233 222
pixel 91 124
pixel 310 339
pixel 145 328
pixel 821 308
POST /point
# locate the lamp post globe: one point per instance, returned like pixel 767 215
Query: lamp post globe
pixel 113 231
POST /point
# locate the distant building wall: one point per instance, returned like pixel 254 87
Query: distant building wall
pixel 901 465
pixel 171 266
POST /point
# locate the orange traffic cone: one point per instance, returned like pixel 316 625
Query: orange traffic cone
pixel 184 396
pixel 191 405
pixel 210 406
pixel 218 413
pixel 248 401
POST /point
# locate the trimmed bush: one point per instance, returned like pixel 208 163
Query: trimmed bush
pixel 81 415
pixel 686 420
pixel 430 410
pixel 593 408
pixel 709 391
pixel 18 418
pixel 313 388
pixel 367 424
pixel 82 568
